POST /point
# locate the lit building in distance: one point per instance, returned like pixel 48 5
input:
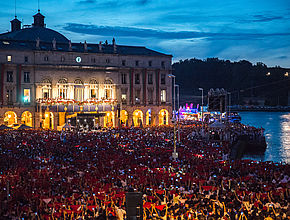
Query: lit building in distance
pixel 47 81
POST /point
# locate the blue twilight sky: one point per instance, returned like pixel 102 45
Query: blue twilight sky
pixel 255 30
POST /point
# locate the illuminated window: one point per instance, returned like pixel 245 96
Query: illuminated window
pixel 79 90
pixel 124 98
pixel 26 95
pixel 46 89
pixel 108 93
pixel 9 58
pixel 93 93
pixel 45 93
pixel 163 95
pixel 94 88
pixel 62 88
pixel 108 89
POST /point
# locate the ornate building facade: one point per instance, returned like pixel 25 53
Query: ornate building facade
pixel 47 81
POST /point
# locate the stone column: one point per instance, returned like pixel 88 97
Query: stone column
pixel 36 119
pixel 55 120
pixel 130 119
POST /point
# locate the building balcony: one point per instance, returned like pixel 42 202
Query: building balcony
pixel 70 105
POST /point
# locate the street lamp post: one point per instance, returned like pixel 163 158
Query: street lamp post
pixel 174 154
pixel 178 112
pixel 230 104
pixel 201 89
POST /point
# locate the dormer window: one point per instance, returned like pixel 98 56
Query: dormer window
pixel 9 58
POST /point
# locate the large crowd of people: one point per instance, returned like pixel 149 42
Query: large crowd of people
pixel 72 175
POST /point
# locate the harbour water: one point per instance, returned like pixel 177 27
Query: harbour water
pixel 277 133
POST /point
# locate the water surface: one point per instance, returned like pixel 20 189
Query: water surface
pixel 277 133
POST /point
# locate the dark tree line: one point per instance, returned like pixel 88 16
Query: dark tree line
pixel 243 79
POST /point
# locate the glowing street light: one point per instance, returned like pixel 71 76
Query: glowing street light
pixel 268 74
pixel 286 74
pixel 201 89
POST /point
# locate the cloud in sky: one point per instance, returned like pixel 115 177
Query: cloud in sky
pixel 257 30
pixel 160 34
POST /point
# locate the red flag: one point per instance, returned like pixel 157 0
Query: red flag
pixel 147 205
pixel 160 207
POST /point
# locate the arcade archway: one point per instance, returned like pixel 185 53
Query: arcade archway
pixel 10 118
pixel 138 118
pixel 124 118
pixel 26 118
pixel 109 119
pixel 48 121
pixel 163 117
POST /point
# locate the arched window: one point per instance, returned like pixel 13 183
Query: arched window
pixel 108 81
pixel 137 118
pixel 163 117
pixel 46 89
pixel 78 90
pixel 78 82
pixel 62 81
pixel 108 89
pixel 26 118
pixel 10 118
pixel 94 89
pixel 124 118
pixel 47 81
pixel 62 88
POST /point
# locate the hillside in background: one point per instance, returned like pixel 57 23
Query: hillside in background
pixel 251 84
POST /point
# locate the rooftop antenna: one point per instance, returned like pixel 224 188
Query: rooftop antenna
pixel 38 6
pixel 15 9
